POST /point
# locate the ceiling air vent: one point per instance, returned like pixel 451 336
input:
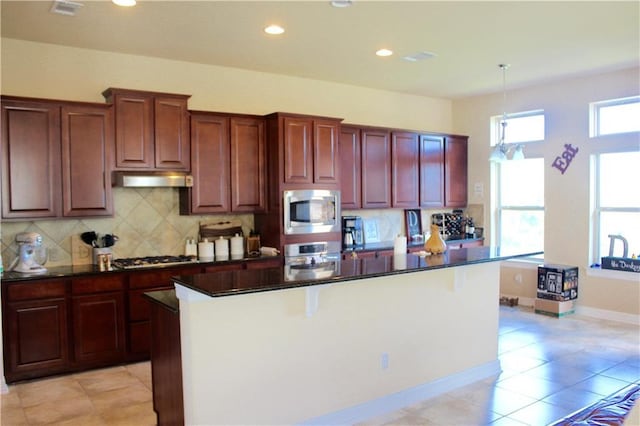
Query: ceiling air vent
pixel 420 56
pixel 65 7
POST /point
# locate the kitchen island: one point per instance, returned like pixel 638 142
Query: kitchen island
pixel 379 334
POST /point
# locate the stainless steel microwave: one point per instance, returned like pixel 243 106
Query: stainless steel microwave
pixel 311 211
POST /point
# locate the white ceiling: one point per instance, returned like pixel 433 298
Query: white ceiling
pixel 542 40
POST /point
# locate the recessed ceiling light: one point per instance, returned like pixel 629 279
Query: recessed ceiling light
pixel 274 29
pixel 124 3
pixel 341 3
pixel 384 52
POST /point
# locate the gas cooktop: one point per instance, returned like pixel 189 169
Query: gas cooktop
pixel 151 261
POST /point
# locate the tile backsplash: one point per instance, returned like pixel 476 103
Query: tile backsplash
pixel 146 221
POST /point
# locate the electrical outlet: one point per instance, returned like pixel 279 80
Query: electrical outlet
pixel 518 278
pixel 384 361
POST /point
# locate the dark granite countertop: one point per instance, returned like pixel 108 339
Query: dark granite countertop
pixel 388 245
pixel 228 283
pixel 166 298
pixel 80 270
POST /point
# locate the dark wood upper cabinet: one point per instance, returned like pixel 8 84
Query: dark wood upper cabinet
pixel 56 159
pixel 405 170
pixel 228 161
pixel 172 142
pixel 431 171
pixel 325 151
pixel 376 168
pixel 87 144
pixel 248 164
pixel 350 185
pixel 30 159
pixel 210 165
pixel 455 156
pixel 298 153
pixel 152 130
pixel 310 150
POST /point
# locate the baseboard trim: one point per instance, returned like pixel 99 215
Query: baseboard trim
pixel 607 315
pixel 396 401
pixel 586 311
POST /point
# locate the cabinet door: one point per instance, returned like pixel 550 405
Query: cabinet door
pixel 376 169
pixel 455 171
pixel 172 143
pixel 36 343
pixel 87 143
pixel 248 165
pixel 298 161
pixel 134 131
pixel 405 166
pixel 350 168
pixel 98 328
pixel 325 151
pixel 431 171
pixel 30 159
pixel 210 164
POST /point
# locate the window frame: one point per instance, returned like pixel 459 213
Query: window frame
pixel 499 208
pixel 594 114
pixel 597 209
pixel 496 126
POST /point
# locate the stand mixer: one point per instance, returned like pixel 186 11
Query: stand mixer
pixel 30 243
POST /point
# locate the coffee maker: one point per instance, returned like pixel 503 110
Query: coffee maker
pixel 31 255
pixel 352 232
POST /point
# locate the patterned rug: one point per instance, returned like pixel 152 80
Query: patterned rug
pixel 611 411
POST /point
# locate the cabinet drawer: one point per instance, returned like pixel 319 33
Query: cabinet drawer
pixel 159 278
pixel 263 264
pixel 97 284
pixel 37 290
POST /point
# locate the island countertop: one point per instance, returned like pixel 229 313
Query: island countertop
pixel 229 283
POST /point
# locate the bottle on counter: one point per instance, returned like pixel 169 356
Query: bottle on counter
pixel 469 229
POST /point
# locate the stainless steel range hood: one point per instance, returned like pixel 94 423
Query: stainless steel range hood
pixel 152 179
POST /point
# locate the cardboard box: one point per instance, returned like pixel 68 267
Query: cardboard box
pixel 555 308
pixel 557 282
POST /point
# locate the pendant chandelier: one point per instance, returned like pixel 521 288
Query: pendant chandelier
pixel 501 150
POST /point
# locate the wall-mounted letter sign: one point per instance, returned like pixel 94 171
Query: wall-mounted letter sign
pixel 562 162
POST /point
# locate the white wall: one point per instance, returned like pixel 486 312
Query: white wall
pixel 51 71
pixel 567 196
pixel 262 351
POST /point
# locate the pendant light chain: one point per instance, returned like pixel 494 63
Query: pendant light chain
pixel 503 124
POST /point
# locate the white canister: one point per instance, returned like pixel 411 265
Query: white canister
pixel 205 251
pixel 237 246
pixel 400 245
pixel 222 248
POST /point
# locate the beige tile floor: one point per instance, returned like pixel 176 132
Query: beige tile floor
pixel 551 368
pixel 111 396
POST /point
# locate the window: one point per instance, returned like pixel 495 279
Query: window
pixel 520 205
pixel 518 220
pixel 617 202
pixel 521 127
pixel 615 116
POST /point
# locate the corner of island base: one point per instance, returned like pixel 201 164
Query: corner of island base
pixel 260 358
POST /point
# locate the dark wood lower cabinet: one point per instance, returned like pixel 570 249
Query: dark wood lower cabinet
pixel 166 365
pixel 39 340
pixel 61 325
pixel 98 329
